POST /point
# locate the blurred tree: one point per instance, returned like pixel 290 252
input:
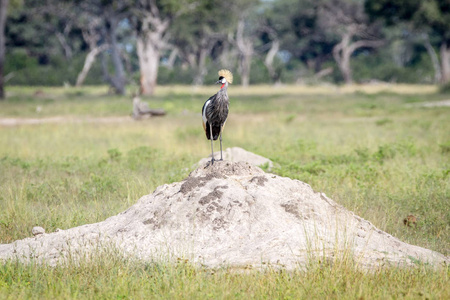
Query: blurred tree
pixel 72 27
pixel 49 29
pixel 45 29
pixel 197 40
pixel 347 20
pixel 112 13
pixel 294 25
pixel 3 10
pixel 245 46
pixel 219 38
pixel 245 35
pixel 5 5
pixel 430 18
pixel 91 31
pixel 276 31
pixel 269 37
pixel 281 39
pixel 151 20
pixel 58 18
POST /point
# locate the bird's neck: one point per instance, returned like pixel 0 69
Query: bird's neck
pixel 222 95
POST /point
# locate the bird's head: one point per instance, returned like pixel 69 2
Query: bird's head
pixel 225 76
pixel 221 80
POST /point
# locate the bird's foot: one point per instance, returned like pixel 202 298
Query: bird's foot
pixel 209 163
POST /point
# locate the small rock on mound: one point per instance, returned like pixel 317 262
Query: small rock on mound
pixel 37 230
pixel 232 214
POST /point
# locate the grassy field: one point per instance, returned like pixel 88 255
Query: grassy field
pixel 374 149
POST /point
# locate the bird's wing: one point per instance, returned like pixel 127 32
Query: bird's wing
pixel 204 111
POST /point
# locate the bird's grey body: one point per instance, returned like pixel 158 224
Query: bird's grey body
pixel 215 114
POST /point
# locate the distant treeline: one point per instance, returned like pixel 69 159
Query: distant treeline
pixel 150 42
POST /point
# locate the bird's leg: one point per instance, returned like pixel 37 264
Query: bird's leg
pixel 221 144
pixel 212 149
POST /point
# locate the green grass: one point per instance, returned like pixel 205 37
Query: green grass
pixel 375 151
pixel 110 276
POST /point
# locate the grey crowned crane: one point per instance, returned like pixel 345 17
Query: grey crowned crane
pixel 215 111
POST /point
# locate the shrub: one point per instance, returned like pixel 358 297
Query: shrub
pixel 445 88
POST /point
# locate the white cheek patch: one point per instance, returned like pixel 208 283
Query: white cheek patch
pixel 224 80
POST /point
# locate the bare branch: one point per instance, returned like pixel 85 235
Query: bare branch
pixel 366 44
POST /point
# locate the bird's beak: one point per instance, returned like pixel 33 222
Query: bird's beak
pixel 218 81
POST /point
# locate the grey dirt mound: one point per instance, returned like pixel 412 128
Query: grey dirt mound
pixel 231 214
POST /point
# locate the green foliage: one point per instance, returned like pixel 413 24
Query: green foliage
pixel 18 60
pixel 445 147
pixel 114 154
pixel 431 16
pixel 26 70
pixel 174 76
pixel 15 4
pixel 445 88
pixel 380 66
pixel 141 158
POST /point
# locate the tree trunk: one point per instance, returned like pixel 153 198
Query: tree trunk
pixel 245 47
pixel 201 66
pixel 245 65
pixel 345 68
pixel 90 59
pixel 65 45
pixel 3 10
pixel 229 53
pixel 445 62
pixel 323 73
pixel 172 57
pixel 151 40
pixel 434 59
pixel 342 55
pixel 117 81
pixel 196 58
pixel 149 56
pixel 268 61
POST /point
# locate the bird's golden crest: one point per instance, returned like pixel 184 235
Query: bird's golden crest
pixel 227 74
